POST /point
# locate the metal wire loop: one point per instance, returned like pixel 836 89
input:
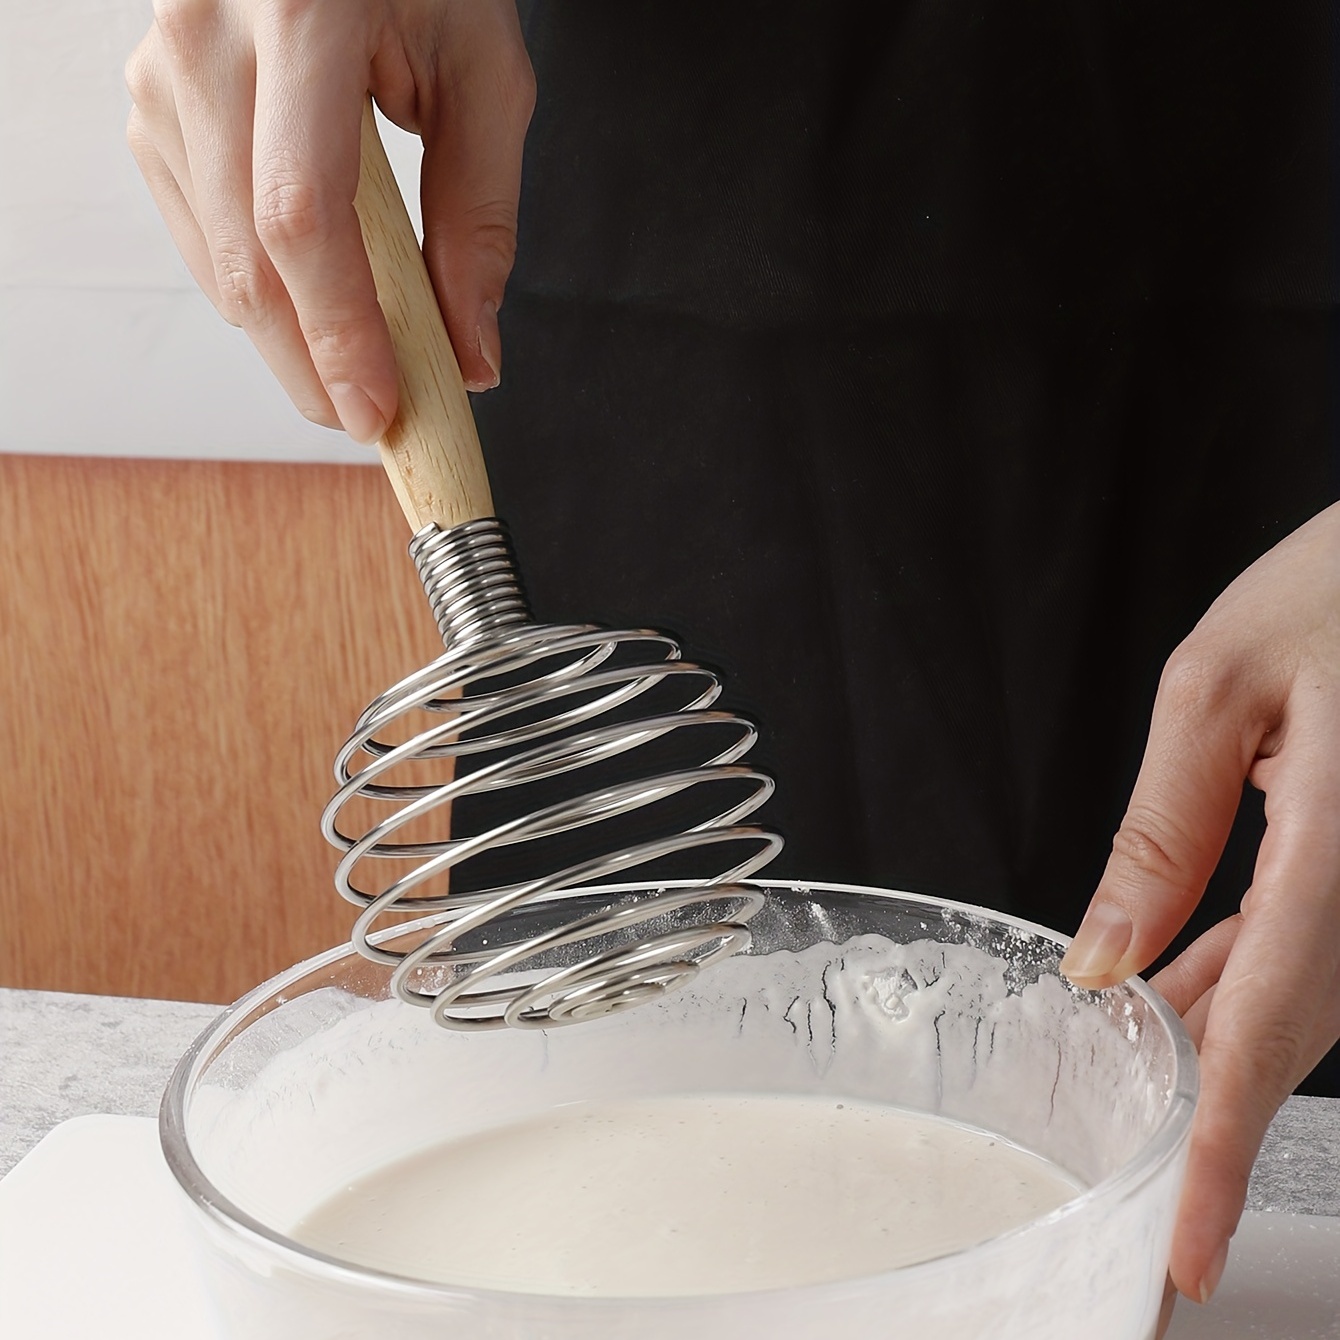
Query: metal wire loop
pixel 524 703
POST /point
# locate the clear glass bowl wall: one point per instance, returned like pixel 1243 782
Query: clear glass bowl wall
pixel 317 1077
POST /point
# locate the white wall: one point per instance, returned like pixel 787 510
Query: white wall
pixel 106 345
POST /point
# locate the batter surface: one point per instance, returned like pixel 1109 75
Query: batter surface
pixel 686 1195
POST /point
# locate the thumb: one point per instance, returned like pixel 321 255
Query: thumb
pixel 470 186
pixel 1201 745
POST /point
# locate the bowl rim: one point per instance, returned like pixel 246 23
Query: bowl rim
pixel 1164 1144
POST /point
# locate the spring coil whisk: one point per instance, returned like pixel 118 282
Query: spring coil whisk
pixel 521 703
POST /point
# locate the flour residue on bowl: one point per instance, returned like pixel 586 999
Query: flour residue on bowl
pixel 693 1194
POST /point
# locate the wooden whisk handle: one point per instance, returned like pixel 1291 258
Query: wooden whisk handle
pixel 431 451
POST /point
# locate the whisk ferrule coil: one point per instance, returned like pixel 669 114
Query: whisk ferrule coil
pixel 469 575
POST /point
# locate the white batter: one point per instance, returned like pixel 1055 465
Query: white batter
pixel 686 1195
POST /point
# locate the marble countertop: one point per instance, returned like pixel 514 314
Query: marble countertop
pixel 62 1056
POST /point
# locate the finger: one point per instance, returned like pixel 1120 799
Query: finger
pixel 154 138
pixel 1275 1003
pixel 1166 1311
pixel 1197 1017
pixel 471 183
pixel 1195 971
pixel 311 85
pixel 213 82
pixel 173 206
pixel 149 84
pixel 1202 739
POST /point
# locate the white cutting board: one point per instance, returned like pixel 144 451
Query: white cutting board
pixel 91 1240
pixel 91 1245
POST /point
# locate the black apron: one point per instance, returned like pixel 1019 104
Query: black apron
pixel 928 367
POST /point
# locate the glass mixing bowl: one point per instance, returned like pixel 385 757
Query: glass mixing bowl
pixel 317 1077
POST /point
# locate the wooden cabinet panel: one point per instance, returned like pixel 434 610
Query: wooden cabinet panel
pixel 183 646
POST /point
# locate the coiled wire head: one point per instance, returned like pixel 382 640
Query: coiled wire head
pixel 437 767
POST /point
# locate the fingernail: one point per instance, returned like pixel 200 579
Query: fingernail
pixel 362 420
pixel 1098 946
pixel 489 343
pixel 1214 1274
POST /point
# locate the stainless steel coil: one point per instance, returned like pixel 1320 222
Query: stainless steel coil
pixel 510 705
